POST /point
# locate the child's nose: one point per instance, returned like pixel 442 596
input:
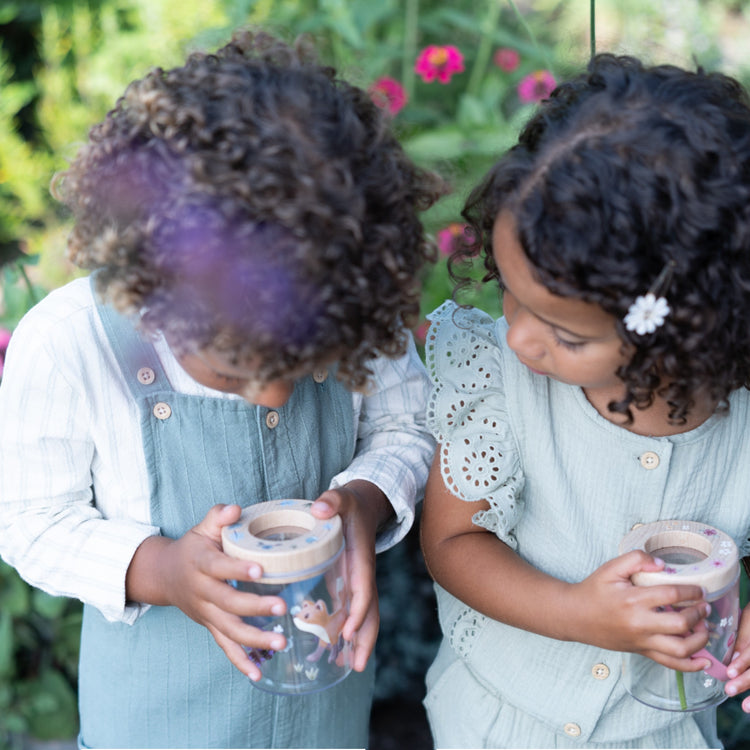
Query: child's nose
pixel 524 335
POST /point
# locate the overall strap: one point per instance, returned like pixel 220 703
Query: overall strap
pixel 137 358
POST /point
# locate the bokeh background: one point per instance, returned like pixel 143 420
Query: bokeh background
pixel 458 77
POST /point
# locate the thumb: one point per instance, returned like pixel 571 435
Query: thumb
pixel 637 561
pixel 216 519
pixel 327 505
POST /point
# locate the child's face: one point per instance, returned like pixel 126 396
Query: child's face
pixel 210 368
pixel 564 338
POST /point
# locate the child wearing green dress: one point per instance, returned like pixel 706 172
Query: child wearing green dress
pixel 613 392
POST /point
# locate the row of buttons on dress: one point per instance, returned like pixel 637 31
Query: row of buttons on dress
pixel 162 410
pixel 648 460
pixel 598 672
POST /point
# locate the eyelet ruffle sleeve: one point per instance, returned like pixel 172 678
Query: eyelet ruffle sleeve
pixel 467 415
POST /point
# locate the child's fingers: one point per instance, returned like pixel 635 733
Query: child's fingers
pixel 236 655
pixel 366 636
pixel 216 519
pixel 676 652
pixel 222 567
pixel 636 561
pixel 245 604
pixel 239 632
pixel 680 621
pixel 739 676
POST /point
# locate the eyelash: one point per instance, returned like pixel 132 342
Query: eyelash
pixel 572 345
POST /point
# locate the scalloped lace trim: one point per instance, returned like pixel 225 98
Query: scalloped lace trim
pixel 478 459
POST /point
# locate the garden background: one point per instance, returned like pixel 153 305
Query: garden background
pixel 459 77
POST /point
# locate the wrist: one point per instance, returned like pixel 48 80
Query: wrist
pixel 372 503
pixel 148 572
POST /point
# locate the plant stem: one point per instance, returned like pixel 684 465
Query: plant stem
pixel 592 28
pixel 485 48
pixel 522 21
pixel 681 690
pixel 411 19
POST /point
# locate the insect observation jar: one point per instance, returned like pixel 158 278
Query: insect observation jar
pixel 701 555
pixel 304 563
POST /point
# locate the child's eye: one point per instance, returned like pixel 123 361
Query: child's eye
pixel 567 344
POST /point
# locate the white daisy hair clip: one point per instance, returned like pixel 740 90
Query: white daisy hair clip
pixel 649 312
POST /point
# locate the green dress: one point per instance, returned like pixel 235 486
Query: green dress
pixel 564 486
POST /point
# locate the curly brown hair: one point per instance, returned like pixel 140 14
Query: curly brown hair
pixel 254 202
pixel 626 170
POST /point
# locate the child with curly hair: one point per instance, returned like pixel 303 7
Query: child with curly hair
pixel 613 392
pixel 253 229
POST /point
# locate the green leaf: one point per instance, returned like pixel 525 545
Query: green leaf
pixel 14 592
pixel 450 142
pixel 472 112
pixel 47 605
pixel 51 707
pixel 14 723
pixel 8 11
pixel 7 643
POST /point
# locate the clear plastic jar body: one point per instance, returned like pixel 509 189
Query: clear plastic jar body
pixel 664 688
pixel 316 655
pixel 698 555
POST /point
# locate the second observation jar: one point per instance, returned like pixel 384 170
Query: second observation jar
pixel 701 555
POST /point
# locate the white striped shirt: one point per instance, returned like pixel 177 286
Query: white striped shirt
pixel 74 492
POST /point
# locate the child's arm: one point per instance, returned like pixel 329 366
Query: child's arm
pixel 394 448
pixel 376 494
pixel 604 610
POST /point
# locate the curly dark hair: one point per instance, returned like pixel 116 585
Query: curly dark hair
pixel 624 170
pixel 253 201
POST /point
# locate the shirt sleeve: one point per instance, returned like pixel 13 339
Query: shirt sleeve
pixel 394 448
pixel 51 530
pixel 467 414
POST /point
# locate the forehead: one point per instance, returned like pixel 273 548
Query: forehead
pixel 584 319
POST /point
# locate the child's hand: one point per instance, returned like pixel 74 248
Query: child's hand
pixel 360 505
pixel 617 615
pixel 193 574
pixel 739 669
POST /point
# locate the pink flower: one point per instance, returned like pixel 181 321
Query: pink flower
pixel 507 59
pixel 536 86
pixel 4 341
pixel 387 93
pixel 447 237
pixel 420 334
pixel 439 62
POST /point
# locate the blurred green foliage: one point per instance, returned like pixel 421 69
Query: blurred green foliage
pixel 39 637
pixel 63 63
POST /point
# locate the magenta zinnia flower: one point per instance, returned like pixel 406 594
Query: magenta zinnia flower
pixel 507 59
pixel 4 340
pixel 536 86
pixel 389 94
pixel 439 62
pixel 447 237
